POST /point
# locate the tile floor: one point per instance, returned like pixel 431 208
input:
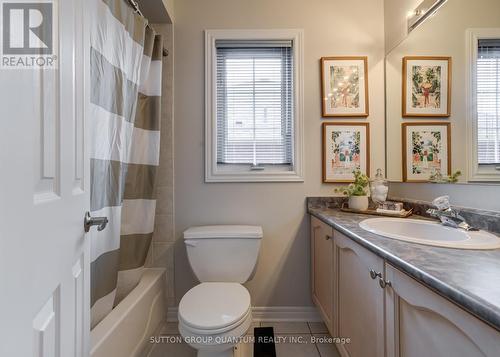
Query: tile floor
pixel 297 337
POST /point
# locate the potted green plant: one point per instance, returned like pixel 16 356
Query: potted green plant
pixel 437 177
pixel 357 191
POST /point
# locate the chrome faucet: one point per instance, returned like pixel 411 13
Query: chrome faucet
pixel 447 215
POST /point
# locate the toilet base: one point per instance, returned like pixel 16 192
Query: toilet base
pixel 226 353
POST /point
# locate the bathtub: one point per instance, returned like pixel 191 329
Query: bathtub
pixel 126 331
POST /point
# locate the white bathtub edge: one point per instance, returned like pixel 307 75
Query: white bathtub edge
pixel 126 330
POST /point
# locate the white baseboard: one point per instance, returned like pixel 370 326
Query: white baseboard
pixel 272 314
pixel 286 313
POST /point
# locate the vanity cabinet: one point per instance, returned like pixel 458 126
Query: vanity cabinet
pixel 420 322
pixel 359 311
pixel 385 312
pixel 322 270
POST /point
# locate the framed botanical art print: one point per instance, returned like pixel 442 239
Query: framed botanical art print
pixel 426 86
pixel 426 150
pixel 344 83
pixel 346 147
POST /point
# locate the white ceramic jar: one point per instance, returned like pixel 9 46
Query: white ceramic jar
pixel 358 203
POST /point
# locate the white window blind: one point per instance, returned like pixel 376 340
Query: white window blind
pixel 255 104
pixel 488 102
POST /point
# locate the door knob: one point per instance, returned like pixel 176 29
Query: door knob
pixel 90 221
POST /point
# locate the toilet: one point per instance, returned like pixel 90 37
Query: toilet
pixel 216 313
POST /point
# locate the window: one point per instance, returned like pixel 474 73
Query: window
pixel 484 104
pixel 254 104
pixel 254 117
pixel 488 102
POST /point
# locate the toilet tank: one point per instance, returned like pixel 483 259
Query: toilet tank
pixel 223 253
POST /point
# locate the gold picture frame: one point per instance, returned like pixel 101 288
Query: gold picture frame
pixel 346 146
pixel 429 97
pixel 344 86
pixel 418 164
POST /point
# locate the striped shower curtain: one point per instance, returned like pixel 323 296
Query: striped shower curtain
pixel 124 136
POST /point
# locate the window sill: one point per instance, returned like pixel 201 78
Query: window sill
pixel 254 176
pixel 484 173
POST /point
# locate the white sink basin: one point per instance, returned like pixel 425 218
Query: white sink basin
pixel 430 233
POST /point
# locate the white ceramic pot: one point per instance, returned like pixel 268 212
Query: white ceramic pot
pixel 358 203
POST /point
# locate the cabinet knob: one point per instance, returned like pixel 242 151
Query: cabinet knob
pixel 374 274
pixel 383 283
pixel 328 237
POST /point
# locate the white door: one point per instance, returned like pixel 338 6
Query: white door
pixel 44 192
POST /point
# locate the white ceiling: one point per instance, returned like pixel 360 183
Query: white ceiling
pixel 155 11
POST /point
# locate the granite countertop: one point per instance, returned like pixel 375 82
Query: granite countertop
pixel 469 278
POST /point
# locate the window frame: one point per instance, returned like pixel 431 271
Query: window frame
pixel 212 171
pixel 475 171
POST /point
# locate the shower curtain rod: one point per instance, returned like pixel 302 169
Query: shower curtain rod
pixel 135 6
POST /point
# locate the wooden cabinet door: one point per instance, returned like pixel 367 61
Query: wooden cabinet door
pixel 360 299
pixel 322 269
pixel 422 323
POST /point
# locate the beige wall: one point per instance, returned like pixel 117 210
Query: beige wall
pixel 484 196
pixel 169 6
pixel 161 252
pixel 157 11
pixel 331 27
pixel 395 21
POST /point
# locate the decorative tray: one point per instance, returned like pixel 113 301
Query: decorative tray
pixel 401 214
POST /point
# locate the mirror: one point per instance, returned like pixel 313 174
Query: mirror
pixel 433 124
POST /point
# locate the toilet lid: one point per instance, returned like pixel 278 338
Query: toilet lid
pixel 210 306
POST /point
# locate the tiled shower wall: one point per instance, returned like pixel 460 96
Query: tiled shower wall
pixel 161 253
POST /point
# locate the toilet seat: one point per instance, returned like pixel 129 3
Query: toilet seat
pixel 230 330
pixel 213 308
pixel 213 343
